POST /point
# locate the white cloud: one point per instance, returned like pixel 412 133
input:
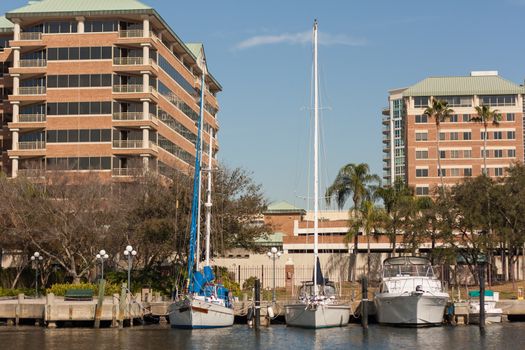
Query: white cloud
pixel 299 38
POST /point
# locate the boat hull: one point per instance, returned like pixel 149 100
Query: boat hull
pixel 410 310
pixel 318 316
pixel 191 314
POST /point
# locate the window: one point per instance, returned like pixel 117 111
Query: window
pixel 454 172
pixel 100 26
pixel 454 136
pixel 78 108
pixel 466 118
pixel 82 135
pixel 422 190
pixel 442 136
pixel 421 136
pixel 421 154
pixel 421 102
pixel 176 76
pixel 511 135
pixel 483 135
pixel 485 153
pixel 467 172
pixel 442 154
pixel 510 117
pixel 498 135
pixel 498 171
pixel 421 119
pixel 467 153
pixel 454 118
pixel 467 135
pixel 421 172
pixel 511 153
pixel 456 101
pixel 455 154
pixel 79 53
pixel 498 153
pixel 498 100
pixel 443 172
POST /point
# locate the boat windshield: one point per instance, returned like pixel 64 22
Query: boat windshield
pixel 407 267
pixel 328 290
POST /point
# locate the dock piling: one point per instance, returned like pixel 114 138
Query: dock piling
pixel 257 303
pixel 482 296
pixel 364 303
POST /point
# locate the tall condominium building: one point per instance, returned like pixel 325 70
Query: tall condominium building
pixel 410 137
pixel 101 86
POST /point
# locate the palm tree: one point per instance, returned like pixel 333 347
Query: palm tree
pixel 396 199
pixel 352 180
pixel 368 218
pixel 441 113
pixel 485 116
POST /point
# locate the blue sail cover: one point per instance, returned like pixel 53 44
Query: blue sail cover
pixel 320 279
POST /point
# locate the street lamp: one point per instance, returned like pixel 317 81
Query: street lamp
pixel 36 258
pixel 274 254
pixel 130 253
pixel 102 256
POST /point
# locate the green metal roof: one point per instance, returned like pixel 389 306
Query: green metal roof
pixel 276 237
pixel 469 85
pixel 195 48
pixel 5 25
pixel 283 207
pixel 53 6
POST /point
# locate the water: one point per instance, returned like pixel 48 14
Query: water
pixel 500 336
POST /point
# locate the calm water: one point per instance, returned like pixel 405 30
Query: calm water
pixel 503 336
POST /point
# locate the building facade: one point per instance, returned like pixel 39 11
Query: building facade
pixel 410 138
pixel 100 86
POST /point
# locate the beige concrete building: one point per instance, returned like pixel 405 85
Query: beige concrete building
pixel 409 137
pixel 100 86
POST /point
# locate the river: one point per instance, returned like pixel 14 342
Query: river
pixel 161 337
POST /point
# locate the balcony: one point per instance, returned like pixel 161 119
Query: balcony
pixel 36 63
pixel 31 118
pixel 128 61
pixel 31 90
pixel 127 171
pixel 129 88
pixel 127 144
pixel 135 33
pixel 130 116
pixel 30 36
pixel 32 145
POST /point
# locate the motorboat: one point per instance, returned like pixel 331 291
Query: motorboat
pixel 492 313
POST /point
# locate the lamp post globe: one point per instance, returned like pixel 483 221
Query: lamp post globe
pixel 36 258
pixel 130 253
pixel 274 254
pixel 102 255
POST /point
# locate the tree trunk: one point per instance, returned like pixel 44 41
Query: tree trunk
pixel 439 161
pixel 485 149
pixel 368 255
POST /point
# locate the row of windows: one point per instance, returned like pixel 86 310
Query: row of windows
pixel 79 53
pixel 466 101
pixel 178 152
pixel 177 126
pixel 78 80
pixel 78 108
pixel 83 135
pixel 457 154
pixel 175 75
pixel 100 26
pixel 465 118
pixel 498 100
pixel 177 102
pixel 446 172
pixel 79 163
pixel 467 135
pixel 499 153
pixel 498 135
pixel 54 27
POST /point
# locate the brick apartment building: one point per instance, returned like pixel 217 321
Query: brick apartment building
pixel 409 137
pixel 100 86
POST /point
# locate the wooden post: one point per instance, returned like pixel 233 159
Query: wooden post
pixel 364 303
pixel 122 306
pixel 257 303
pixel 482 296
pixel 100 302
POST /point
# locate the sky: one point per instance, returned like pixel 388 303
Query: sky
pixel 261 53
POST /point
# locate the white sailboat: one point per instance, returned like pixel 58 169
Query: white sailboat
pixel 206 304
pixel 410 294
pixel 317 306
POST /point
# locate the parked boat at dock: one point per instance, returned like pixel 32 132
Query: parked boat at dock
pixel 317 306
pixel 410 294
pixel 492 313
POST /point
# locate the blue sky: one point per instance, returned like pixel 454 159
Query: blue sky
pixel 261 53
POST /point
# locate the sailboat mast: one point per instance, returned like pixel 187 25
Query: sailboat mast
pixel 316 158
pixel 208 199
pixel 196 191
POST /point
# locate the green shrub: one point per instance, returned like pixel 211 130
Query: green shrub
pixel 60 289
pixel 8 292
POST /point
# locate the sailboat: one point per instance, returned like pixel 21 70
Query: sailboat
pixel 317 306
pixel 206 304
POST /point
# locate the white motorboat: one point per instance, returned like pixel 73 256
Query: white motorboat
pixel 492 313
pixel 317 306
pixel 410 294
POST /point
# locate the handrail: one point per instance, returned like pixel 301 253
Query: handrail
pixel 128 88
pixel 126 171
pixel 127 144
pixel 30 145
pixel 128 115
pixel 30 36
pixel 131 33
pixel 38 62
pixel 31 118
pixel 31 90
pixel 31 172
pixel 128 61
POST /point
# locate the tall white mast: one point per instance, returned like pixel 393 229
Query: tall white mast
pixel 316 158
pixel 208 200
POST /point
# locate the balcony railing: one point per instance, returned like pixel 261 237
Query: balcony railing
pixel 132 116
pixel 31 145
pixel 33 63
pixel 135 33
pixel 31 90
pixel 31 172
pixel 127 171
pixel 31 118
pixel 127 144
pixel 128 88
pixel 30 36
pixel 128 61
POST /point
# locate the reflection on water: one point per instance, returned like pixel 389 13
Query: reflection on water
pixel 501 336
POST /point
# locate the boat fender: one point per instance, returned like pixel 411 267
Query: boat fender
pixel 419 288
pixel 249 315
pixel 270 312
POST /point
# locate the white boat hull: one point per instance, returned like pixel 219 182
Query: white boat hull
pixel 410 310
pixel 318 316
pixel 194 313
